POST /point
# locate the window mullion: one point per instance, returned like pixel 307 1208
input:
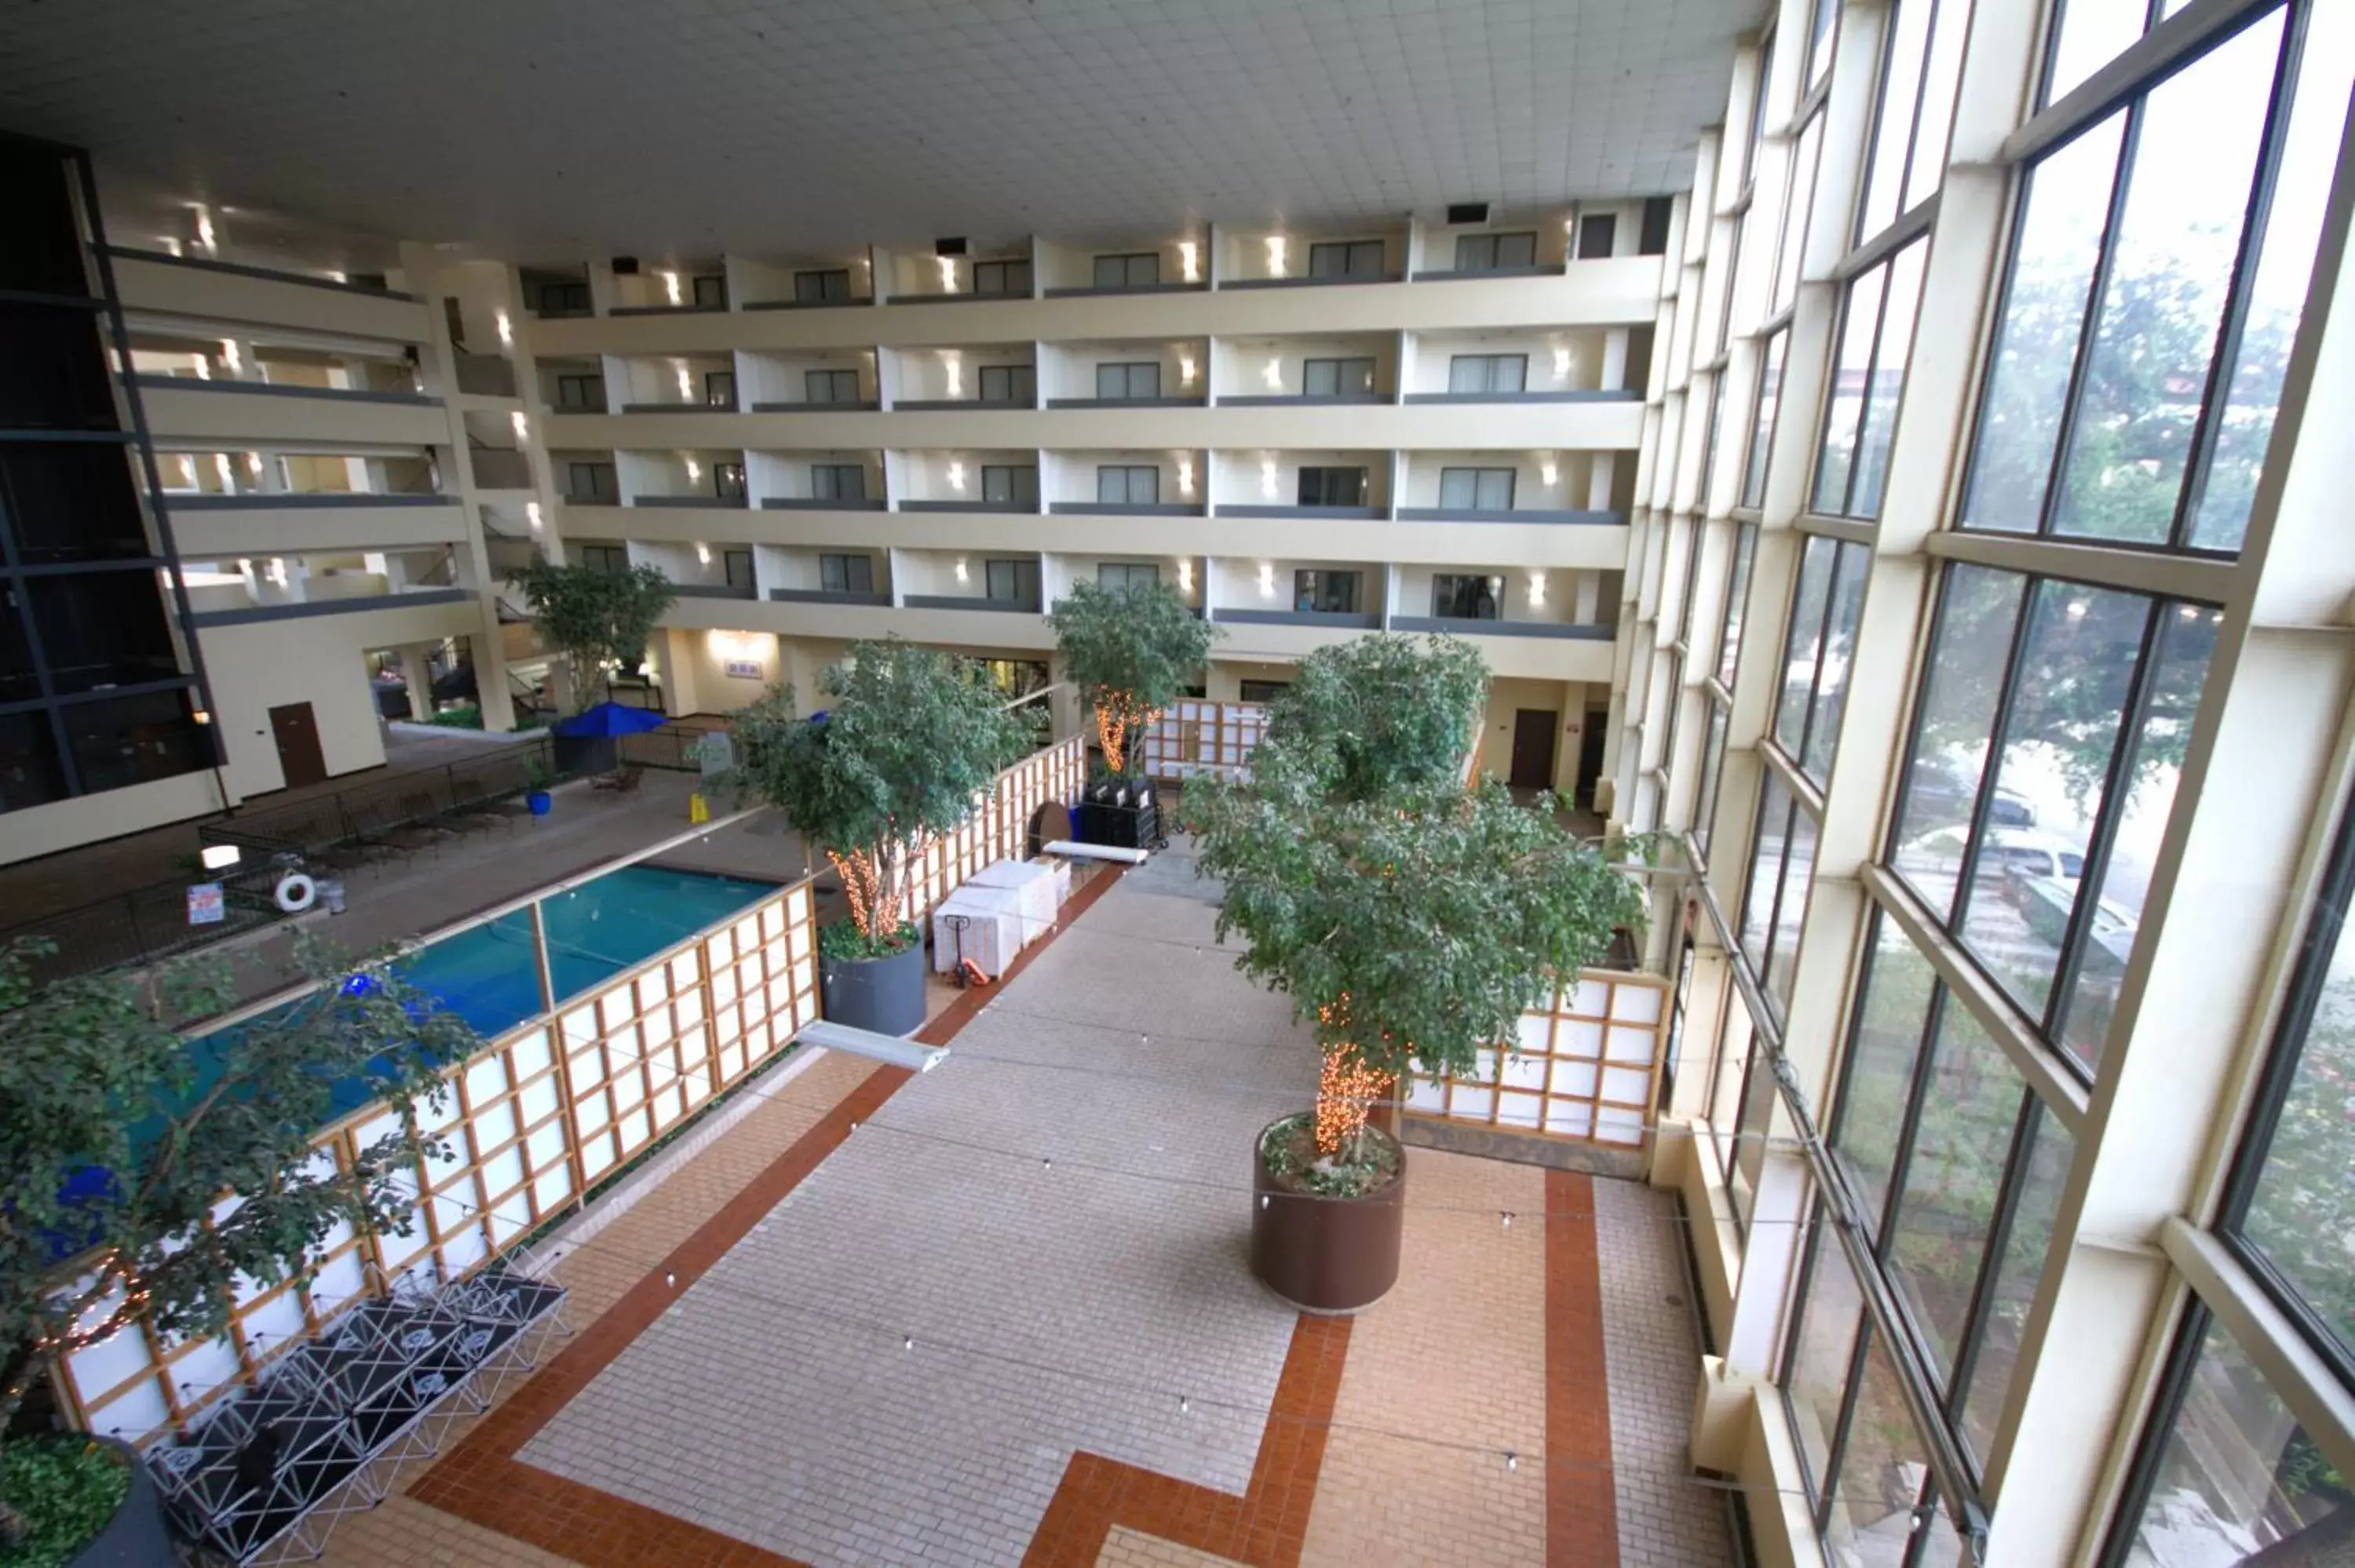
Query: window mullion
pixel 2007 1208
pixel 2064 435
pixel 1984 802
pixel 1836 1450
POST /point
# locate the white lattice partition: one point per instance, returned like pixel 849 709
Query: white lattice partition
pixel 1584 1068
pixel 1197 739
pixel 999 824
pixel 529 1131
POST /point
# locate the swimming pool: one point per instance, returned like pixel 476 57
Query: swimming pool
pixel 487 976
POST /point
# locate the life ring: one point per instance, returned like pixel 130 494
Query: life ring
pixel 296 893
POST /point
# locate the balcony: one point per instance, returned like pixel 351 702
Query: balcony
pixel 1293 260
pixel 838 381
pixel 1329 484
pixel 842 481
pixel 965 481
pixel 1534 246
pixel 1154 266
pixel 196 288
pixel 921 279
pixel 485 375
pixel 1491 625
pixel 816 283
pixel 1343 621
pixel 1574 489
pixel 683 288
pixel 1125 483
pixel 957 380
pixel 712 479
pixel 1273 372
pixel 678 384
pixel 943 580
pixel 302 586
pixel 1562 365
pixel 1150 373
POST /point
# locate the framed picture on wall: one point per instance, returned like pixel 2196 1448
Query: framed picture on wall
pixel 745 668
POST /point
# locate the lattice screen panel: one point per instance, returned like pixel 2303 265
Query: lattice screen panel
pixel 1584 1067
pixel 1195 738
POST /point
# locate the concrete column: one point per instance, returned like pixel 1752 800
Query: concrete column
pixel 417 669
pixel 1613 372
pixel 1604 469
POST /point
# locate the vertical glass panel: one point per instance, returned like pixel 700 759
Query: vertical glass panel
pixel 1765 868
pixel 1791 908
pixel 2090 34
pixel 1713 763
pixel 1832 664
pixel 1892 131
pixel 1737 589
pixel 1798 198
pixel 1886 1045
pixel 2237 1478
pixel 1801 651
pixel 2076 666
pixel 1762 425
pixel 2043 318
pixel 2276 295
pixel 1935 123
pixel 2016 1277
pixel 2172 264
pixel 1733 1041
pixel 1758 1096
pixel 2187 640
pixel 1822 1350
pixel 1945 1210
pixel 1881 1465
pixel 1976 616
pixel 1820 40
pixel 1887 382
pixel 1859 319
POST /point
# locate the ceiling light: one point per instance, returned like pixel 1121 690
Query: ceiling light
pixel 1275 255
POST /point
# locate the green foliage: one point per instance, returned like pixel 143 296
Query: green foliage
pixel 94 1080
pixel 911 740
pixel 1375 714
pixel 1288 1152
pixel 845 943
pixel 600 618
pixel 2303 1210
pixel 465 716
pixel 1130 650
pixel 65 1490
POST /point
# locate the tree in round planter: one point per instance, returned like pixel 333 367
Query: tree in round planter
pixel 1131 652
pixel 118 1139
pixel 908 743
pixel 1411 918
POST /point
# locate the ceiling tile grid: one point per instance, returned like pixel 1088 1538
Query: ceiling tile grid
pixel 554 129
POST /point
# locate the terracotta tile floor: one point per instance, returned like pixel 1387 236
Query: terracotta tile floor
pixel 1376 1440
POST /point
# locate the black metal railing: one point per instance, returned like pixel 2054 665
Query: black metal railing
pixel 382 805
pixel 150 922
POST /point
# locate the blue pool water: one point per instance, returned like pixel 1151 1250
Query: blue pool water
pixel 487 975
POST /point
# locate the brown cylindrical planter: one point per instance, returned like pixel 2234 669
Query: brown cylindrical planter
pixel 1326 1255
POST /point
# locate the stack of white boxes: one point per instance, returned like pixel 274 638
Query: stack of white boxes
pixel 1003 908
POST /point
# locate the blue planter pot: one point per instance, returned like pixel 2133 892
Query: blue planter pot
pixel 540 801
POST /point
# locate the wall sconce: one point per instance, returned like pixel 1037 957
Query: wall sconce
pixel 188 470
pixel 1273 374
pixel 1186 369
pixel 278 570
pixel 1549 471
pixel 517 422
pixel 1536 590
pixel 694 470
pixel 1562 362
pixel 232 357
pixel 1190 260
pixel 1185 576
pixel 205 231
pixel 948 274
pixel 221 467
pixel 1275 255
pixel 171 244
pixel 685 384
pixel 531 513
pixel 702 554
pixel 953 364
pixel 204 368
pixel 1267 477
pixel 506 331
pixel 1185 476
pixel 670 287
pixel 962 575
pixel 340 277
pixel 1266 580
pixel 956 476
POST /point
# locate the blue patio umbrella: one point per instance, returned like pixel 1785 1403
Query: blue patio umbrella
pixel 611 719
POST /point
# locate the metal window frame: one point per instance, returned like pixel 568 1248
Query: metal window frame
pixel 1791 643
pixel 2038 143
pixel 1349 250
pixel 830 377
pixel 1128 260
pixel 1008 270
pixel 1886 268
pixel 710 379
pixel 823 280
pixel 1793 237
pixel 843 561
pixel 1320 576
pixel 1736 615
pixel 829 488
pixel 1364 487
pixel 1012 375
pixel 1014 483
pixel 1756 452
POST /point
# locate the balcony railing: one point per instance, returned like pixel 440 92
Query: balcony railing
pixel 292 500
pixel 297 610
pixel 1340 619
pixel 1478 626
pixel 1575 516
pixel 716 591
pixel 1026 606
pixel 830 596
pixel 275 389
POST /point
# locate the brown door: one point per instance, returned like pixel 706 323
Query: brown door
pixel 297 734
pixel 1533 748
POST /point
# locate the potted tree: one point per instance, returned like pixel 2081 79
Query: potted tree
pixel 118 1139
pixel 1131 652
pixel 599 621
pixel 1412 919
pixel 909 740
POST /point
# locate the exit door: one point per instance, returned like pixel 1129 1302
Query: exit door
pixel 1533 748
pixel 297 734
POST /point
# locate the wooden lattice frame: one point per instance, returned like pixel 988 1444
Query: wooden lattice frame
pixel 1585 1068
pixel 1195 738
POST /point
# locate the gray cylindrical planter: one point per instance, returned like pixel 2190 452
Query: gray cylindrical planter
pixel 137 1536
pixel 885 996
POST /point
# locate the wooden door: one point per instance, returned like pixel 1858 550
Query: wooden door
pixel 1533 748
pixel 297 734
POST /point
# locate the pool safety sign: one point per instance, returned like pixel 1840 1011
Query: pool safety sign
pixel 205 905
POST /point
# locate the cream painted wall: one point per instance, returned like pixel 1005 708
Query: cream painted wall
pixel 758 282
pixel 655 379
pixel 925 475
pixel 696 677
pixel 1507 697
pixel 1226 676
pixel 1235 582
pixel 1438 239
pixel 1069 369
pixel 786 475
pixel 316 659
pixel 933 572
pixel 784 378
pixel 1243 364
pixel 657 472
pixel 31 831
pixel 1062 571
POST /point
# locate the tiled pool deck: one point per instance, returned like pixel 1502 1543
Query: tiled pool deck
pixel 1094 1377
